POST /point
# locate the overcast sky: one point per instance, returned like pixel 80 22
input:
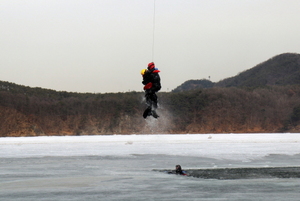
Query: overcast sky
pixel 102 45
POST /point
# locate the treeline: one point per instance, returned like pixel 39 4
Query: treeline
pixel 38 112
pixel 62 113
pixel 239 110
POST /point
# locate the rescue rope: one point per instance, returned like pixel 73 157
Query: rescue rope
pixel 153 30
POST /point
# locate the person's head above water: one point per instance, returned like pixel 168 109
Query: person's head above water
pixel 178 167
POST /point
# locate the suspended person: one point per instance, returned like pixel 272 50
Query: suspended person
pixel 151 82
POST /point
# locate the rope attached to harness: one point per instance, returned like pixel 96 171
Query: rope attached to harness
pixel 153 30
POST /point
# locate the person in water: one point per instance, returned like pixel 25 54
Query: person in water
pixel 178 170
pixel 151 82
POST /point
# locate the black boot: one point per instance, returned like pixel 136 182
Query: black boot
pixel 147 112
pixel 154 114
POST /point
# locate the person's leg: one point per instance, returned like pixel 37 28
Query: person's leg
pixel 147 112
pixel 151 101
pixel 148 99
pixel 154 105
pixel 154 101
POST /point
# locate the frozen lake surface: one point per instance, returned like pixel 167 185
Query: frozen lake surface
pixel 120 167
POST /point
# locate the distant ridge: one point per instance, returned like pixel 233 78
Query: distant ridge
pixel 283 69
pixel 194 84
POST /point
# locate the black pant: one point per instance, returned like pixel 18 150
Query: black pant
pixel 151 100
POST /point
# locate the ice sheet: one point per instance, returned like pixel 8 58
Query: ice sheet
pixel 219 146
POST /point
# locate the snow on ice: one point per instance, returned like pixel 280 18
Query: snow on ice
pixel 218 146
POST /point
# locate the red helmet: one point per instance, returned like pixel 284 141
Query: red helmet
pixel 151 65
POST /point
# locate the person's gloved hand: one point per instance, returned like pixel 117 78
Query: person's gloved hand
pixel 148 86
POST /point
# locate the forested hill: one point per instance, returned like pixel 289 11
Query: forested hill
pixel 283 69
pixel 271 107
pixel 194 84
